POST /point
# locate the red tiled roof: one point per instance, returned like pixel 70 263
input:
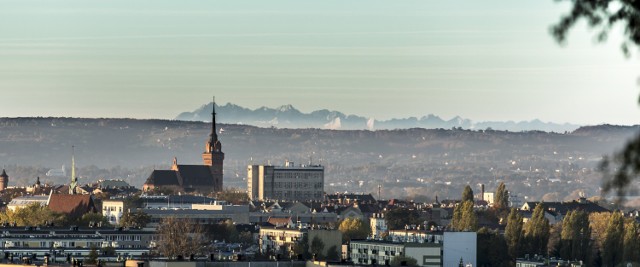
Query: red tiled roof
pixel 74 205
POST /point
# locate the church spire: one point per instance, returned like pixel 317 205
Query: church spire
pixel 213 136
pixel 213 144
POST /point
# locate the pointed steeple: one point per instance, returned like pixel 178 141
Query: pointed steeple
pixel 4 174
pixel 214 135
pixel 213 145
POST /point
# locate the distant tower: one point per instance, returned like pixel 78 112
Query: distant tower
pixel 213 155
pixel 74 179
pixel 37 185
pixel 4 180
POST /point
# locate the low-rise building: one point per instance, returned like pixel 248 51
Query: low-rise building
pixel 415 236
pixel 23 201
pixel 281 241
pixel 371 252
pixel 113 210
pixel 378 225
pixel 74 241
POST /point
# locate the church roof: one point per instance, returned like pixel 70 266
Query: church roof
pixel 195 175
pixel 4 174
pixel 74 205
pixel 163 177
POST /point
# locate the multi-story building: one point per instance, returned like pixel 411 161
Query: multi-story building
pixel 372 252
pixel 75 242
pixel 378 225
pixel 427 248
pixel 289 182
pixel 415 235
pixel 281 241
pixel 202 214
pixel 113 210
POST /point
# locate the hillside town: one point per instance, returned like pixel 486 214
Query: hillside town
pixel 185 214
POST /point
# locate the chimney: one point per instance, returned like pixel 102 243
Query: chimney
pixel 482 192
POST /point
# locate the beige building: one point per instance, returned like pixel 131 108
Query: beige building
pixel 282 240
pixel 289 182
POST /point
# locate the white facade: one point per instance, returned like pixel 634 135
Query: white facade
pixel 415 236
pixel 383 252
pixel 113 211
pixel 459 245
pixel 378 225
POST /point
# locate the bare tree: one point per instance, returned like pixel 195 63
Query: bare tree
pixel 179 238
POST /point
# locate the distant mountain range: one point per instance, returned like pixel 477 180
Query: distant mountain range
pixel 288 116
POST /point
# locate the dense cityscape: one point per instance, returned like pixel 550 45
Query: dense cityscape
pixel 186 213
pixel 350 133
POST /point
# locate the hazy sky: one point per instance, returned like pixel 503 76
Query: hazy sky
pixel 482 60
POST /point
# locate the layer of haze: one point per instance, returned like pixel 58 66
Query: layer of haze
pixel 482 60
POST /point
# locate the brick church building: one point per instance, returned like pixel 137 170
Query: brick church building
pixel 205 178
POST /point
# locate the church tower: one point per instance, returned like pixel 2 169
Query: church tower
pixel 4 180
pixel 213 155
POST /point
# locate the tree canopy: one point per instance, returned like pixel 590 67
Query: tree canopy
pixel 179 237
pixel 398 218
pixel 513 233
pixel 352 228
pixel 33 214
pixel 464 217
pixel 135 219
pixel 536 232
pixel 501 198
pixel 467 194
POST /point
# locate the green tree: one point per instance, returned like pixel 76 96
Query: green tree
pixel 302 248
pixel 513 233
pixel 613 241
pixel 631 243
pixel 491 247
pixel 92 258
pixel 32 215
pixel 576 236
pixel 398 218
pixel 464 217
pixel 467 194
pixel 233 196
pixel 536 232
pixel 92 218
pixel 555 240
pixel 333 254
pixel 402 260
pixel 604 15
pixel 316 247
pixel 245 238
pixel 352 228
pixel 501 198
pixel 136 219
